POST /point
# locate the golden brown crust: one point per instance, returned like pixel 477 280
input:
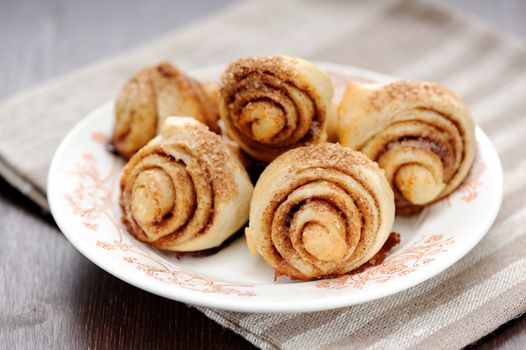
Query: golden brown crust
pixel 320 210
pixel 185 190
pixel 272 104
pixel 420 133
pixel 152 95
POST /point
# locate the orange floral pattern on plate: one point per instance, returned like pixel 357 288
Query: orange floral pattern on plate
pixel 419 254
pixel 92 199
pixel 92 195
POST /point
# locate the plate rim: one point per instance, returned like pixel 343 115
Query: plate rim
pixel 248 304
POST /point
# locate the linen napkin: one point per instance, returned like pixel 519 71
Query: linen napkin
pixel 408 39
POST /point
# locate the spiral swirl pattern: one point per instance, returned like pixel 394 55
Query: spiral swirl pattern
pixel 321 210
pixel 152 95
pixel 420 133
pixel 185 190
pixel 272 104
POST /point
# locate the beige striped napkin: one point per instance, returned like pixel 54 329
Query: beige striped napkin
pixel 408 39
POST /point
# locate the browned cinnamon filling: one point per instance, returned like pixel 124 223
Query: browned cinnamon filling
pixel 443 151
pixel 258 110
pixel 320 202
pixel 135 228
pixel 265 110
pixel 392 241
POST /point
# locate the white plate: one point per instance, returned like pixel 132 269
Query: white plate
pixel 83 195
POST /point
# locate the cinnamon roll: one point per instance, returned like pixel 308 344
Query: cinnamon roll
pixel 152 95
pixel 320 210
pixel 272 104
pixel 420 133
pixel 185 190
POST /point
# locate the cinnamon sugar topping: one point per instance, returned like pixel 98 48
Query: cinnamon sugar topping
pixel 416 91
pixel 333 154
pixel 248 65
pixel 212 148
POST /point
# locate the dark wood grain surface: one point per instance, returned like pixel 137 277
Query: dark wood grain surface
pixel 50 295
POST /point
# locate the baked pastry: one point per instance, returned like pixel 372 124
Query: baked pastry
pixel 272 104
pixel 420 133
pixel 152 95
pixel 185 190
pixel 321 210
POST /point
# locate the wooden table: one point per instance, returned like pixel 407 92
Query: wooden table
pixel 50 295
